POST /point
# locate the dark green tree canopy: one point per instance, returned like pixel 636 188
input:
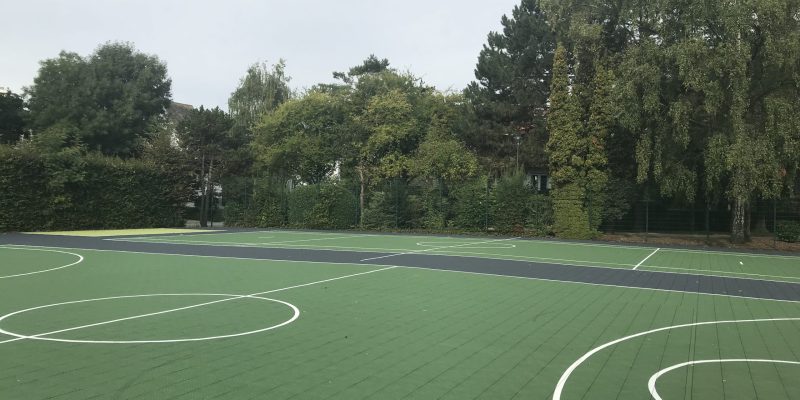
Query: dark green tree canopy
pixel 512 85
pixel 107 101
pixel 12 117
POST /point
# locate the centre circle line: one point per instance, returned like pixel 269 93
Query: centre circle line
pixel 41 336
pixel 252 295
pixel 651 384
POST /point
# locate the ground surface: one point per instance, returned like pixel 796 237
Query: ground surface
pixel 308 315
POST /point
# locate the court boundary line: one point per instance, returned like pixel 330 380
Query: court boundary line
pixel 546 260
pixel 455 271
pixel 186 307
pixel 436 248
pixel 646 258
pixel 729 272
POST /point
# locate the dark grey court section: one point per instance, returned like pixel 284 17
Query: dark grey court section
pixel 737 287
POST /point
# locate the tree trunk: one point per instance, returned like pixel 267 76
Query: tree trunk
pixel 361 196
pixel 738 223
pixel 208 192
pixel 203 197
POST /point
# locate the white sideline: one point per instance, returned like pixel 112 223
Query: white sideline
pixel 645 259
pixel 651 384
pixel 438 248
pixel 187 307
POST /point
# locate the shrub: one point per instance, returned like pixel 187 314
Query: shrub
pixel 788 231
pixel 471 205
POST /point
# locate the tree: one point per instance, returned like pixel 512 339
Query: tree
pixel 513 83
pixel 260 91
pixel 205 136
pixel 107 101
pixel 713 97
pixel 566 148
pixel 12 118
pixel 302 138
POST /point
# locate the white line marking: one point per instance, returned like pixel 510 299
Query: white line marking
pixel 80 259
pixel 645 259
pixel 310 240
pixel 262 245
pixel 445 270
pixel 39 336
pixel 651 384
pixel 788 279
pixel 565 376
pixel 437 248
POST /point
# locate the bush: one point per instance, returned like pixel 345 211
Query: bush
pixel 471 205
pixel 570 218
pixel 511 204
pixel 69 190
pixel 540 215
pixel 323 206
pixel 788 231
pixel 392 208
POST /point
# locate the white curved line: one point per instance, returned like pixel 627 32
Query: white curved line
pixel 563 380
pixel 651 384
pixel 80 259
pixel 40 336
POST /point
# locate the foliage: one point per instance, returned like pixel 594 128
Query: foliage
pixel 788 231
pixel 72 190
pixel 205 136
pixel 302 138
pixel 260 91
pixel 109 100
pixel 327 205
pixel 471 204
pixel 512 86
pixel 12 118
pixel 510 205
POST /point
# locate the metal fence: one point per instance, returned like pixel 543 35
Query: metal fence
pixel 509 204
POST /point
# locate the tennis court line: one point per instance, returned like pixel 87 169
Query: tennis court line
pixel 712 273
pixel 264 245
pixel 311 240
pixel 645 259
pixel 444 270
pixel 198 305
pixel 437 248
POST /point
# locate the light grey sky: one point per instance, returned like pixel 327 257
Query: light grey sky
pixel 208 45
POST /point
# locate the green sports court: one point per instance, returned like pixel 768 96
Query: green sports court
pixel 281 314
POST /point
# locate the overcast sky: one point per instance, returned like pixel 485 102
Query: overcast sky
pixel 208 45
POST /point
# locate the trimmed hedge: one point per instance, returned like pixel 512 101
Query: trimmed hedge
pixel 326 205
pixel 788 231
pixel 70 190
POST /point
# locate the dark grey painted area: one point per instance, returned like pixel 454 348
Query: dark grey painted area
pixel 738 287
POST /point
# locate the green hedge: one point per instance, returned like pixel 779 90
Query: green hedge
pixel 788 231
pixel 70 190
pixel 322 206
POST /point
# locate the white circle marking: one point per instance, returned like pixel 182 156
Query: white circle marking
pixel 563 380
pixel 296 314
pixel 651 384
pixel 80 259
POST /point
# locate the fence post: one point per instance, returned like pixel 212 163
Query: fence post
pixel 708 222
pixel 646 218
pixel 774 223
pixel 486 207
